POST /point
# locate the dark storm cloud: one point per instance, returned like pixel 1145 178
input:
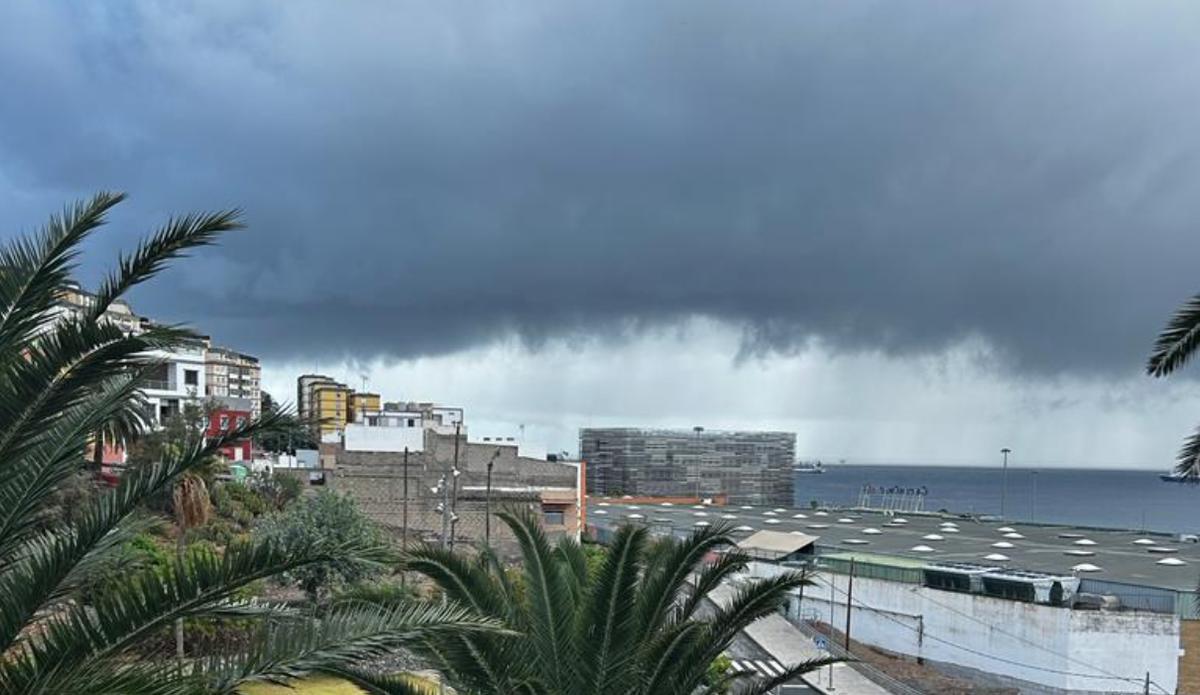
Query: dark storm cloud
pixel 421 178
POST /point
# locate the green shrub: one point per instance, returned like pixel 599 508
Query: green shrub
pixel 324 518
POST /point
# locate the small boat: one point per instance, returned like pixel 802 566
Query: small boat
pixel 810 467
pixel 1174 477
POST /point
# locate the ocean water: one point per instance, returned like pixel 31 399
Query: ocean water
pixel 1121 499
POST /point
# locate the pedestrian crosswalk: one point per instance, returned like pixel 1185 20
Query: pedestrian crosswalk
pixel 763 667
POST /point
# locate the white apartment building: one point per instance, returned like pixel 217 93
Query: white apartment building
pixel 179 380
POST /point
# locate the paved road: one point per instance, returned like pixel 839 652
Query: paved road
pixel 780 640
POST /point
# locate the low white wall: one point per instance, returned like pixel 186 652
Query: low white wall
pixel 1054 647
pixel 393 439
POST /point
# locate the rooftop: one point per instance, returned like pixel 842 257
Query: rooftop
pixel 1132 557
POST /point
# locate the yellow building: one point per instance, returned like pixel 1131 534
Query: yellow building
pixel 329 405
pixel 360 403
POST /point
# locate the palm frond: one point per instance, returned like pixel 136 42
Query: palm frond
pixel 173 240
pixel 374 683
pixel 670 571
pixel 610 620
pixel 26 586
pixel 766 686
pixel 1187 461
pixel 345 636
pixel 550 609
pixel 1178 341
pixel 34 271
pixel 709 578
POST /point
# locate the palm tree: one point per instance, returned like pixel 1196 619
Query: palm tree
pixel 637 625
pixel 65 377
pixel 1175 345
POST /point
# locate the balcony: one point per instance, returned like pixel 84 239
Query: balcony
pixel 157 385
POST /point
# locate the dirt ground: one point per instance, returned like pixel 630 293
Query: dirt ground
pixel 923 677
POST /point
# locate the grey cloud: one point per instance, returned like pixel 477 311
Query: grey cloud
pixel 894 176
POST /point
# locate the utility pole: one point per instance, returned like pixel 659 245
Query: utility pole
pixel 1146 690
pixel 404 518
pixel 831 605
pixel 487 508
pixel 849 598
pixel 1004 481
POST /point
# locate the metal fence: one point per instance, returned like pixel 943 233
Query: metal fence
pixel 1143 598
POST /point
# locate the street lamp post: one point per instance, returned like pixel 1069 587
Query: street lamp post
pixel 1033 507
pixel 1004 481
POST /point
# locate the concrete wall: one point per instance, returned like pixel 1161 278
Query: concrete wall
pixel 384 439
pixel 375 479
pixel 1061 649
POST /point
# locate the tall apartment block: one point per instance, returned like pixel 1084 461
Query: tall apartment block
pixel 749 467
pixel 330 403
pixel 232 374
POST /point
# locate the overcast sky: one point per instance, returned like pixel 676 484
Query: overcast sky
pixel 909 231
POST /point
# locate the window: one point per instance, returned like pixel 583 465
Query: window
pixel 241 421
pixel 224 422
pixel 553 517
pixel 412 422
pixel 191 377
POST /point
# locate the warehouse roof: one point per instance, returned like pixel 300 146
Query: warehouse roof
pixel 776 542
pixel 1131 557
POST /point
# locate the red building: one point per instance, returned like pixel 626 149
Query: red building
pixel 224 419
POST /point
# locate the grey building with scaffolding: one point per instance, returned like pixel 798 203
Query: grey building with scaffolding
pixel 749 467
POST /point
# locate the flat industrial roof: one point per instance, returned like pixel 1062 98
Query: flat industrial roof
pixel 1123 556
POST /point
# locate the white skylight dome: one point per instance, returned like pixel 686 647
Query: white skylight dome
pixel 772 521
pixel 769 513
pixel 599 511
pixel 798 533
pixel 1006 529
pixel 1014 535
pixel 779 510
pixel 1079 553
pixel 700 523
pixel 744 529
pixel 932 537
pixel 817 526
pixel 1086 567
pixel 668 504
pixel 1145 541
pixel 899 520
pixel 1161 549
pixel 799 516
pixel 845 520
pixel 922 549
pixel 1171 562
pixel 633 506
pixel 822 513
pixel 950 529
pixel 855 541
pixel 603 504
pixel 1004 545
pixel 871 531
pixel 746 506
pixel 996 557
pixel 699 513
pixel 1085 541
pixel 635 516
pixel 729 516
